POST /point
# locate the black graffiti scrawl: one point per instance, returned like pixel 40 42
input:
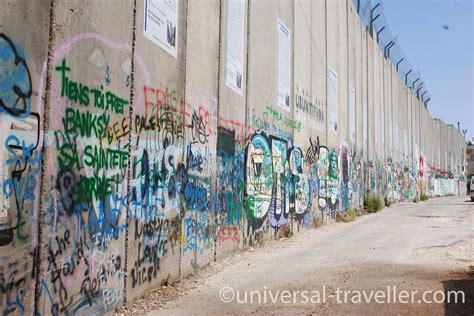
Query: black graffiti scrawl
pixel 15 80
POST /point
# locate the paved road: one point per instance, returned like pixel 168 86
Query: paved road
pixel 427 246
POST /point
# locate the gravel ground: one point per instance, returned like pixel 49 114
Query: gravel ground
pixel 428 246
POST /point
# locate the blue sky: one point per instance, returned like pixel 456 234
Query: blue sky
pixel 437 37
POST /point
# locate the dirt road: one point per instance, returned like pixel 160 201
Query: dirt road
pixel 421 247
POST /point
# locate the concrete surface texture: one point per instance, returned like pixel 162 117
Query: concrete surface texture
pixel 399 247
pixel 129 160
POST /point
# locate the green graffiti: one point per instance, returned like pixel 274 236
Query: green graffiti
pixel 94 188
pixel 71 90
pixel 100 158
pixel 68 157
pixel 80 93
pixel 279 117
pixel 77 123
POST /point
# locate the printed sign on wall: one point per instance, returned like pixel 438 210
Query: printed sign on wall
pixel 364 122
pixel 234 61
pixel 160 24
pixel 377 129
pixel 405 144
pixel 333 95
pixel 382 121
pixel 396 138
pixel 352 117
pixel 284 65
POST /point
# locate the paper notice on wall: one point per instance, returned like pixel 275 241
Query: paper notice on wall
pixel 390 133
pixel 405 144
pixel 160 24
pixel 364 122
pixel 284 65
pixel 396 139
pixel 234 61
pixel 377 129
pixel 352 112
pixel 333 98
pixel 382 131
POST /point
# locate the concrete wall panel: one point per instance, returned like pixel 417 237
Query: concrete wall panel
pixel 231 136
pixel 23 56
pixel 84 220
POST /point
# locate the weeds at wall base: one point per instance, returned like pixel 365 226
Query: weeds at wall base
pixel 373 203
pixel 350 216
pixel 317 222
pixel 286 231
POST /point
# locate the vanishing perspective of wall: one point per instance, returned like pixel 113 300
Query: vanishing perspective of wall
pixel 143 139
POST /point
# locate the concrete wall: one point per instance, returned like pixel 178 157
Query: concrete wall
pixel 82 222
pixel 124 167
pixel 23 55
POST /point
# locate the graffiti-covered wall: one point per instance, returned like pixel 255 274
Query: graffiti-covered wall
pixel 23 54
pixel 143 139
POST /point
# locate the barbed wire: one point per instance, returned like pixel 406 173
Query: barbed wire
pixel 372 14
pixel 463 7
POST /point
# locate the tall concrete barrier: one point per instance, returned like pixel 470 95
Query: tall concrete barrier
pixel 142 139
pixel 23 54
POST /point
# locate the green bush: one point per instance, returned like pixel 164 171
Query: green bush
pixel 366 202
pixel 350 215
pixel 424 197
pixel 374 203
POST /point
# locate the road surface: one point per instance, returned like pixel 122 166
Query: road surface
pixel 426 247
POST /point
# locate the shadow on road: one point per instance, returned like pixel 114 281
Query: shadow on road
pixel 459 308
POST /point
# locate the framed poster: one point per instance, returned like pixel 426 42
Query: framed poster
pixel 160 24
pixel 352 118
pixel 234 53
pixel 333 100
pixel 284 66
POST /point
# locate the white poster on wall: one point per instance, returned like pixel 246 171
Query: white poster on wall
pixel 405 144
pixel 352 113
pixel 396 139
pixel 390 133
pixel 382 131
pixel 333 97
pixel 417 152
pixel 284 66
pixel 439 156
pixel 364 122
pixel 377 129
pixel 234 61
pixel 160 24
